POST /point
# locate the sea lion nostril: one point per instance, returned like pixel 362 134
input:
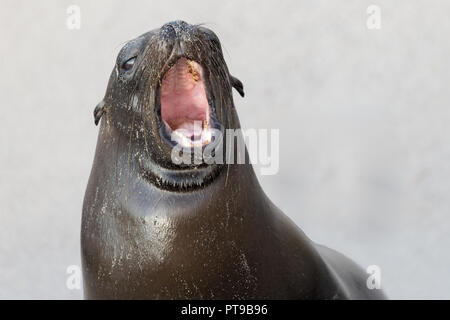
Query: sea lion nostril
pixel 175 28
pixel 178 24
pixel 168 31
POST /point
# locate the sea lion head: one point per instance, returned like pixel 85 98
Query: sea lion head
pixel 171 87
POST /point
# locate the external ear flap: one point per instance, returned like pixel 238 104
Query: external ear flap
pixel 99 111
pixel 237 84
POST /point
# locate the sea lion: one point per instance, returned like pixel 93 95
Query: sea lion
pixel 155 229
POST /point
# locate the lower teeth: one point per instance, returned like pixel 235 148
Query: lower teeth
pixel 194 140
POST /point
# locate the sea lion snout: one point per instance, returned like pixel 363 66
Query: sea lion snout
pixel 175 28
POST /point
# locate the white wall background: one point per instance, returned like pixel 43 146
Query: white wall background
pixel 363 117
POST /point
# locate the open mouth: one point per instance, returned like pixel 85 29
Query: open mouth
pixel 185 111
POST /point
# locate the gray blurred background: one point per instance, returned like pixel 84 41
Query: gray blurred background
pixel 363 118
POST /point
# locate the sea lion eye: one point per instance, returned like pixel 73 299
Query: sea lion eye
pixel 127 65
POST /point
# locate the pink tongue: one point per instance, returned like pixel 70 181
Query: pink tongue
pixel 183 98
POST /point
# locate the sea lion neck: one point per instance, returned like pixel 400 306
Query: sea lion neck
pixel 125 179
